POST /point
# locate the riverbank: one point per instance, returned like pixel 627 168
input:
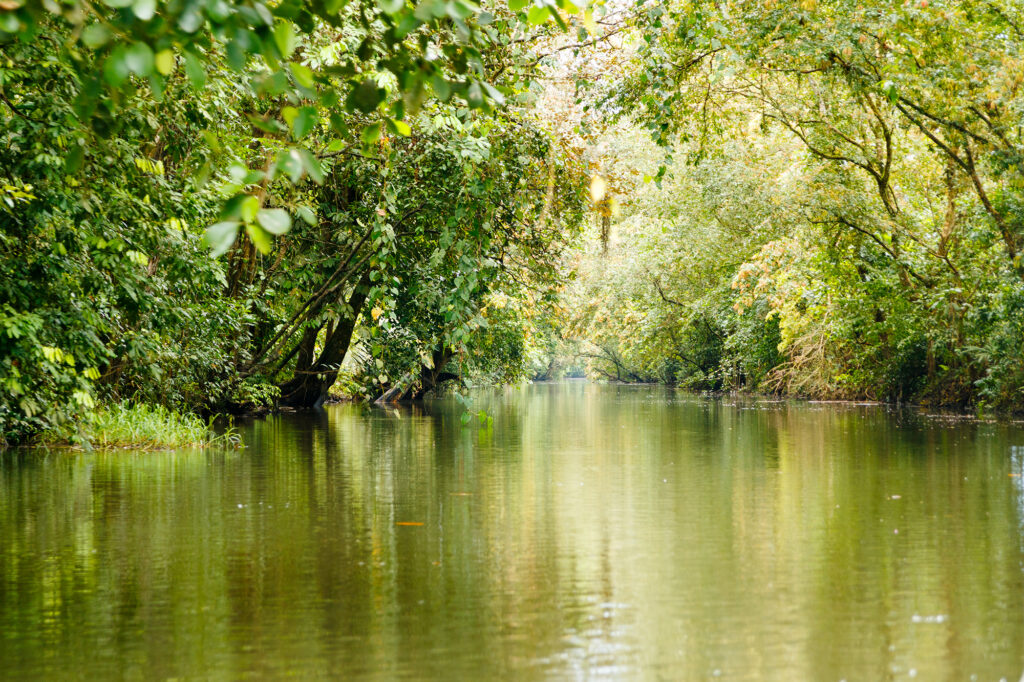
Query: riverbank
pixel 976 413
pixel 136 426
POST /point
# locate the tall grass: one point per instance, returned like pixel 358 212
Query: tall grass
pixel 136 426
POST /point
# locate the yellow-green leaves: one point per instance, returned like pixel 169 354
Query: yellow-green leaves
pixel 57 356
pixel 303 75
pixel 538 14
pixel 399 127
pixel 250 206
pixel 260 223
pixel 10 194
pixel 301 120
pixel 260 238
pixel 164 62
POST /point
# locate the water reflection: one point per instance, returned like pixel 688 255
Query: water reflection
pixel 591 531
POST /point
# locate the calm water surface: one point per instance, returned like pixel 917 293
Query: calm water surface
pixel 590 532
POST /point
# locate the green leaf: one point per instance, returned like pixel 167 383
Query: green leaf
pixel 249 208
pixel 493 93
pixel 891 91
pixel 95 35
pixel 475 95
pixel 399 127
pixel 115 68
pixel 274 220
pixel 284 38
pixel 311 165
pixel 74 160
pixel 391 6
pixel 307 215
pixel 516 5
pixel 339 125
pixel 458 9
pixel 164 61
pixel 289 114
pixel 260 238
pixel 9 22
pixel 194 70
pixel 538 15
pixel 442 88
pixel 265 14
pixel 139 59
pixel 144 9
pixel 329 98
pixel 220 236
pixel 304 122
pixel 407 25
pixel 430 9
pixel 303 75
pixel 371 133
pixel 367 96
pixel 267 125
pixel 191 20
pixel 291 163
pixel 118 4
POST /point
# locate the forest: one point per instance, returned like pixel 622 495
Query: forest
pixel 232 206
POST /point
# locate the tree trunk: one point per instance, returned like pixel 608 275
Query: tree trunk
pixel 312 380
pixel 429 379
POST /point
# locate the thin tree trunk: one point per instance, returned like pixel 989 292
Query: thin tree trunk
pixel 309 387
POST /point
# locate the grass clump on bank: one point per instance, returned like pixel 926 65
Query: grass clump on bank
pixel 123 425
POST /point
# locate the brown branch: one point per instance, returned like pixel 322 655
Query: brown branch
pixel 13 108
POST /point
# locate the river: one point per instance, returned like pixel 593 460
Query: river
pixel 584 532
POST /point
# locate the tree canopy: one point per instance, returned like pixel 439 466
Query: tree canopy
pixel 842 211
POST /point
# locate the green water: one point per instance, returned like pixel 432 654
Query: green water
pixel 590 532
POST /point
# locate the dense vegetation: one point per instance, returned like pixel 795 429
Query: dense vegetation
pixel 843 213
pixel 368 176
pixel 221 205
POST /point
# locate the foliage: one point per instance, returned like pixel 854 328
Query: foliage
pixel 490 208
pixel 843 218
pixel 139 426
pixel 352 68
pixel 340 160
pixel 101 270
